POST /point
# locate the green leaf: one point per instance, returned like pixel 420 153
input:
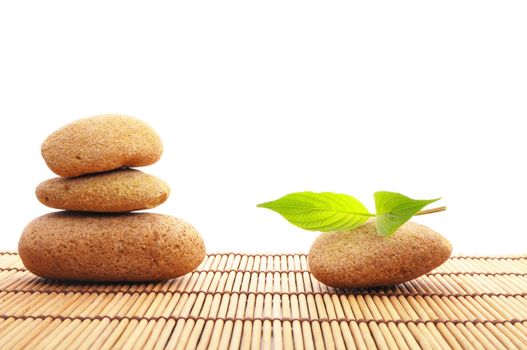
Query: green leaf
pixel 394 209
pixel 325 211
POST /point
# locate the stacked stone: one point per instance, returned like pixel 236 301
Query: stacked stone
pixel 97 237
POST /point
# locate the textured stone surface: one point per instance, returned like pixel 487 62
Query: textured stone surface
pixel 110 247
pixel 113 191
pixel 101 143
pixel 363 258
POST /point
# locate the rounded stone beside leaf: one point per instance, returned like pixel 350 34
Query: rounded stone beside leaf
pixel 363 258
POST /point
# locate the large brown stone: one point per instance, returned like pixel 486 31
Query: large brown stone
pixel 110 247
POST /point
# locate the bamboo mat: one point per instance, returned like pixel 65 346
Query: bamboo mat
pixel 271 302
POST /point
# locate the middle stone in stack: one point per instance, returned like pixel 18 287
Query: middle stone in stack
pixel 115 191
pixel 97 238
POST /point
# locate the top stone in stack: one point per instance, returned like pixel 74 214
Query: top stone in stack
pixel 102 143
pixel 97 238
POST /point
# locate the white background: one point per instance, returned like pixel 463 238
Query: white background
pixel 254 100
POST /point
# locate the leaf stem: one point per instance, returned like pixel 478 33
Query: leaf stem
pixel 430 211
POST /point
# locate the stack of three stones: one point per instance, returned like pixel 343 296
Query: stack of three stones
pixel 97 238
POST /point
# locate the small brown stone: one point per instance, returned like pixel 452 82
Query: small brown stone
pixel 363 258
pixel 110 247
pixel 101 143
pixel 113 191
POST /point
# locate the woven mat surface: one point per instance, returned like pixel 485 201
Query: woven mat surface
pixel 271 302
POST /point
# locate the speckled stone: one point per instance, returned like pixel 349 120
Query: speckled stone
pixel 101 143
pixel 110 247
pixel 113 191
pixel 363 258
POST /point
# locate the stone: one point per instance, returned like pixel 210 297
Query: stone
pixel 110 247
pixel 363 258
pixel 101 143
pixel 114 191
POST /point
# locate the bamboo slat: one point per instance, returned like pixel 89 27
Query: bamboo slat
pixel 243 301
